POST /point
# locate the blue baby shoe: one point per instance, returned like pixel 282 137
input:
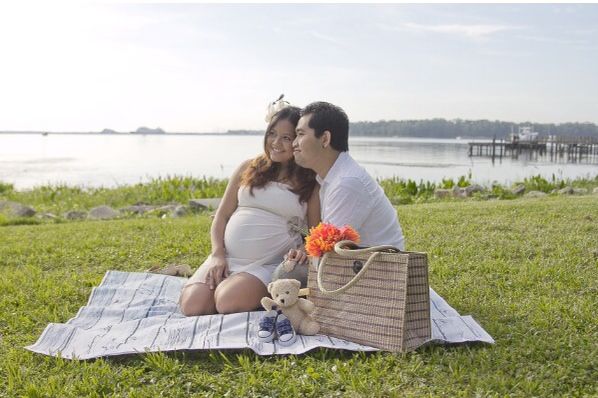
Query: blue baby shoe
pixel 284 330
pixel 267 331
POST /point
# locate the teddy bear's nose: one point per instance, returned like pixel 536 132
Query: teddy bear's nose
pixel 282 301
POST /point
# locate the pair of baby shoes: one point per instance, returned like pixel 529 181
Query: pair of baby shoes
pixel 275 325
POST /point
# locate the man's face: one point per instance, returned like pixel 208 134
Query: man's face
pixel 306 146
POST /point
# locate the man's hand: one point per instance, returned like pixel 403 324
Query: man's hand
pixel 218 271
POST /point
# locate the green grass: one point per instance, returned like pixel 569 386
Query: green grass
pixel 526 269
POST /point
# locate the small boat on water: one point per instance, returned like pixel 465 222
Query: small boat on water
pixel 44 134
pixel 525 134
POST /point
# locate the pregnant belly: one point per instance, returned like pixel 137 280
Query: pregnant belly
pixel 253 233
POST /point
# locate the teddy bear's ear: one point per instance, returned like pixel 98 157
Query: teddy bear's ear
pixel 296 283
pixel 270 287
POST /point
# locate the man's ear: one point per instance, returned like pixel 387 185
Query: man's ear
pixel 326 137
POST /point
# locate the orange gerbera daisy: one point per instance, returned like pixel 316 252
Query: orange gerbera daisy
pixel 324 236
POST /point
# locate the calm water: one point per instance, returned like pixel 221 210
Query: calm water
pixel 110 160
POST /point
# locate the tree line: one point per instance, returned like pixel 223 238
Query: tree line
pixel 442 128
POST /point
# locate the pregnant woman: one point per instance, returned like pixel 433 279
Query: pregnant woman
pixel 255 225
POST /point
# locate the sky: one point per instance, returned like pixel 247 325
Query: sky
pixel 211 68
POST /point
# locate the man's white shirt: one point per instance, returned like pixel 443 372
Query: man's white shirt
pixel 350 196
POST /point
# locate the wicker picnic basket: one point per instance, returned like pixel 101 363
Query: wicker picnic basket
pixel 376 296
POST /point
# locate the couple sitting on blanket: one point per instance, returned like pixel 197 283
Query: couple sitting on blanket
pixel 304 175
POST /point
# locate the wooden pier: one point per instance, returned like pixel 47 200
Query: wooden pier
pixel 570 149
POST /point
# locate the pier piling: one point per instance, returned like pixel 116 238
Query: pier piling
pixel 572 149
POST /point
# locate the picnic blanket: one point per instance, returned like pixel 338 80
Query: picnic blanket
pixel 134 312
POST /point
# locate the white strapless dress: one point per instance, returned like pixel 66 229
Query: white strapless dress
pixel 261 231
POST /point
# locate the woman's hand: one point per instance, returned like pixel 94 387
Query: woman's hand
pixel 218 271
pixel 296 255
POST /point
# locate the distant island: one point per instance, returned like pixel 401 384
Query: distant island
pixel 427 128
pixel 147 130
pixel 244 132
pixel 140 130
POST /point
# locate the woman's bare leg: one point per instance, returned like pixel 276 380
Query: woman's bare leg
pixel 197 299
pixel 239 293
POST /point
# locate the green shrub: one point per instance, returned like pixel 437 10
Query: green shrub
pixel 539 183
pixel 500 192
pixel 6 187
pixel 447 183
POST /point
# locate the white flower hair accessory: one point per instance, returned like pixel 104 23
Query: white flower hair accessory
pixel 276 106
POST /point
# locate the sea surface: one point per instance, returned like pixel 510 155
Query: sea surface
pixel 28 160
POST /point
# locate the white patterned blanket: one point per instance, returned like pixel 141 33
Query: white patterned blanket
pixel 133 312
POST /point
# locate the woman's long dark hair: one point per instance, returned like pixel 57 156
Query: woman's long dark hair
pixel 263 170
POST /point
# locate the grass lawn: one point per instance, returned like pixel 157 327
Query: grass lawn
pixel 526 269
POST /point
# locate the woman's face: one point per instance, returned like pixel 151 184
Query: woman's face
pixel 279 141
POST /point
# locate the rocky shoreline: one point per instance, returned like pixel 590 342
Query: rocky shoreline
pixel 104 212
pixel 194 206
pixel 519 190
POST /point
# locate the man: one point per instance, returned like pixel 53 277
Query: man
pixel 348 194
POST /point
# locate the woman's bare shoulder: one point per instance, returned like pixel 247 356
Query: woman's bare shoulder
pixel 241 169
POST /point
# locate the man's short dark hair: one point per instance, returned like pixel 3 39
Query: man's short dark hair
pixel 326 116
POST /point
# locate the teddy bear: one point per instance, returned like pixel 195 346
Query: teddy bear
pixel 285 297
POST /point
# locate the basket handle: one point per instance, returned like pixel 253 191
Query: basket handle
pixel 340 249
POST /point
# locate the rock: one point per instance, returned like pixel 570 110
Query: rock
pixel 518 190
pixel 23 211
pixel 462 192
pixel 16 209
pixel 457 191
pixel 47 216
pixel 103 213
pixel 535 194
pixel 471 189
pixel 75 215
pixel 162 210
pixel 443 193
pixel 204 204
pixel 580 191
pixel 167 207
pixel 565 191
pixel 595 191
pixel 137 209
pixel 180 211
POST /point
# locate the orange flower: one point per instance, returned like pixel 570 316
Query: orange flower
pixel 323 237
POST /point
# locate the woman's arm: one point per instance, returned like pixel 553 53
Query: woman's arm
pixel 313 207
pixel 228 205
pixel 313 219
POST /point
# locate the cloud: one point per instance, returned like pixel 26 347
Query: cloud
pixel 472 31
pixel 327 38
